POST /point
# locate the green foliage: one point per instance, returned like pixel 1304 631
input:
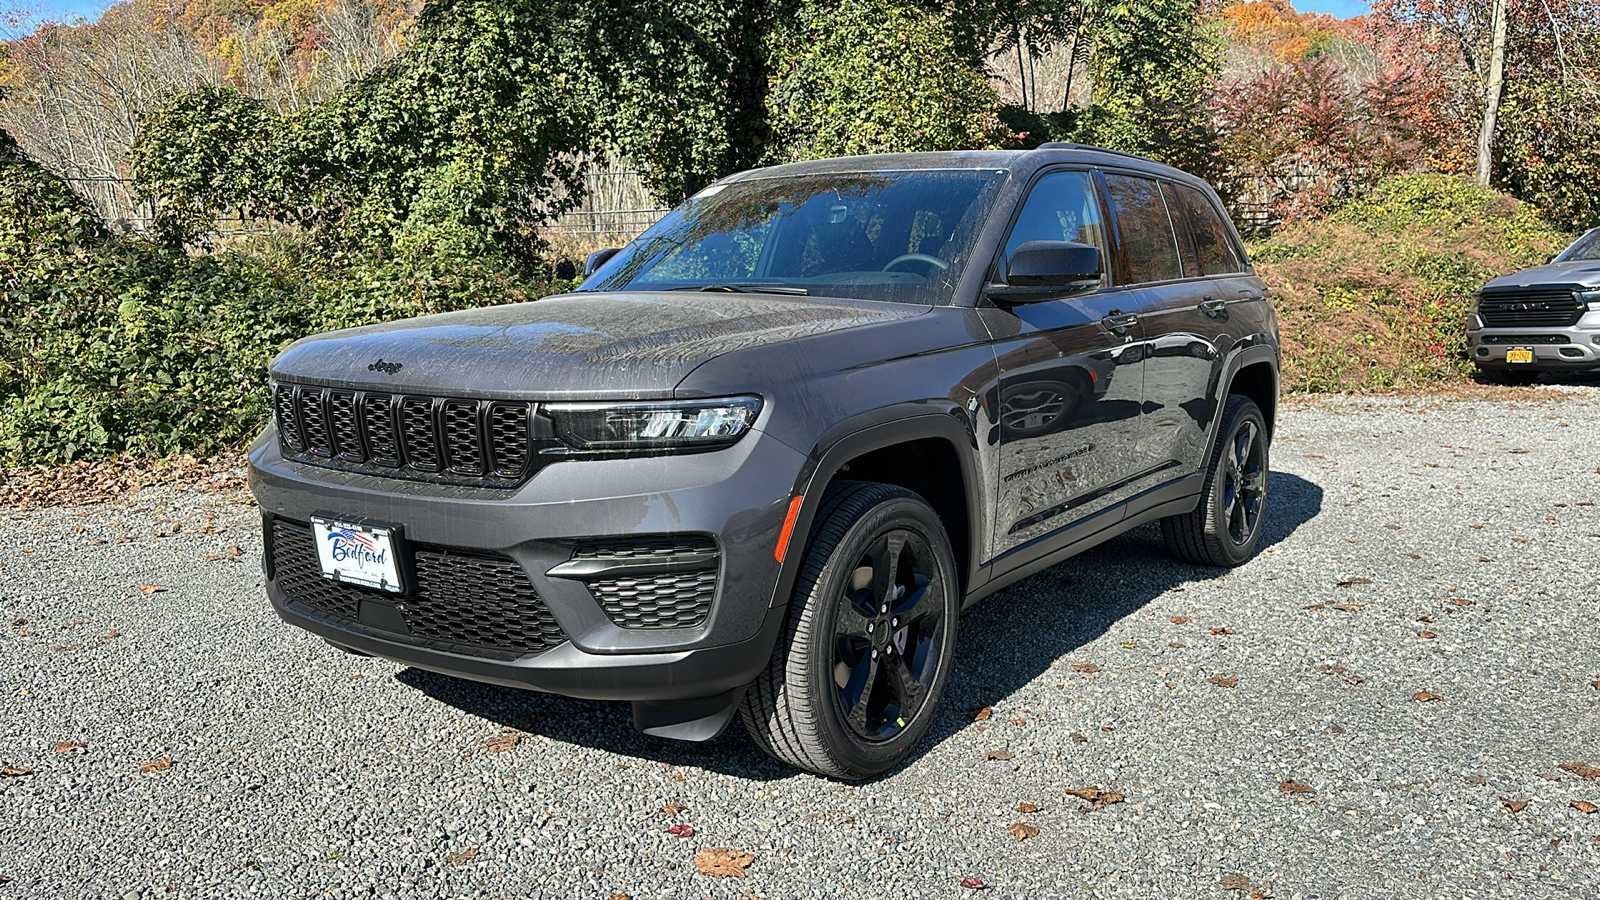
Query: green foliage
pixel 1547 151
pixel 878 76
pixel 1373 296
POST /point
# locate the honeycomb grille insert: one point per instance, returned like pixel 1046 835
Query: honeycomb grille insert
pixel 657 581
pixel 462 603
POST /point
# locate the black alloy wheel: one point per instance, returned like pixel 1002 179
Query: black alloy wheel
pixel 1224 529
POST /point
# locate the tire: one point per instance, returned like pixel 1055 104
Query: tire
pixel 1224 530
pixel 847 694
pixel 1513 377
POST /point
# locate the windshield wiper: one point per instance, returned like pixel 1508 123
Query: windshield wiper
pixel 747 289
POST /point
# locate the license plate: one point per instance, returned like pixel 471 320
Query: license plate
pixel 357 553
pixel 1519 355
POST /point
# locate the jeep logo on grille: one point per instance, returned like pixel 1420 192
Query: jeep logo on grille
pixel 387 368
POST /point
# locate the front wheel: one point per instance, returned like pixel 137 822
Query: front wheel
pixel 1225 529
pixel 871 636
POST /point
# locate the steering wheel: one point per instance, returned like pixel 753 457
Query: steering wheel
pixel 934 261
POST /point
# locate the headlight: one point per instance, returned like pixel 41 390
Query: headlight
pixel 668 424
pixel 1590 299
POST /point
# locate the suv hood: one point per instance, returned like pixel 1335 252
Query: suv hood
pixel 1579 271
pixel 569 346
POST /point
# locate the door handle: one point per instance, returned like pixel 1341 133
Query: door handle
pixel 1213 307
pixel 1119 321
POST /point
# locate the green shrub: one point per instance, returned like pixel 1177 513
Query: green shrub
pixel 1374 296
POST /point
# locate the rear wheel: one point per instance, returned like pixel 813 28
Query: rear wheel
pixel 871 636
pixel 1225 529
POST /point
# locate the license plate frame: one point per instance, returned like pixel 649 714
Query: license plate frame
pixel 1519 355
pixel 360 552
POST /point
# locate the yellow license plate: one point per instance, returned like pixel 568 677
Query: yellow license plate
pixel 1519 355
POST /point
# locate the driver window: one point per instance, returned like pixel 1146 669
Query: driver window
pixel 1062 207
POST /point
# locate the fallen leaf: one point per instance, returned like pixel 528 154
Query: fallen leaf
pixel 1413 556
pixel 462 858
pixel 18 623
pixel 1097 798
pixel 1356 580
pixel 1425 697
pixel 672 809
pixel 1180 620
pixel 505 740
pixel 1022 832
pixel 1484 559
pixel 1392 527
pixel 213 557
pixel 65 747
pixel 1460 601
pixel 1295 787
pixel 978 713
pixel 234 552
pixel 1584 807
pixel 1427 635
pixel 1315 606
pixel 1514 806
pixel 973 884
pixel 15 771
pixel 160 765
pixel 998 754
pixel 681 830
pixel 1348 607
pixel 1226 681
pixel 1430 465
pixel 148 589
pixel 1595 685
pixel 1235 882
pixel 1580 769
pixel 1027 807
pixel 1077 738
pixel 721 862
pixel 621 897
pixel 1336 728
pixel 1222 631
pixel 1086 668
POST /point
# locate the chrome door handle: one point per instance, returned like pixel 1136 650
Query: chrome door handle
pixel 1213 307
pixel 1119 321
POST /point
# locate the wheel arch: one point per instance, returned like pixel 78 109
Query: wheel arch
pixel 1254 374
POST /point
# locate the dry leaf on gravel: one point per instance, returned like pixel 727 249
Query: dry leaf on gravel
pixel 672 809
pixel 1226 681
pixel 972 884
pixel 1460 601
pixel 1427 620
pixel 1295 787
pixel 998 754
pixel 1316 606
pixel 159 765
pixel 681 830
pixel 978 713
pixel 1235 882
pixel 1477 779
pixel 15 771
pixel 1077 738
pixel 1580 769
pixel 1428 635
pixel 722 862
pixel 505 740
pixel 234 552
pixel 1425 697
pixel 1353 581
pixel 1584 807
pixel 1085 668
pixel 462 858
pixel 148 589
pixel 1180 620
pixel 1022 832
pixel 65 747
pixel 1514 806
pixel 1097 797
pixel 1222 631
pixel 621 897
pixel 1019 721
pixel 1348 607
pixel 1026 807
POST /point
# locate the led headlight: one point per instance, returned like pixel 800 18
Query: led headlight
pixel 1590 298
pixel 662 425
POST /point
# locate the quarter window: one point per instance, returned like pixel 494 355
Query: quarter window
pixel 1213 244
pixel 1143 229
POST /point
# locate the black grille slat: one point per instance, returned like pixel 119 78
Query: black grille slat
pixel 1541 308
pixel 420 437
pixel 463 444
pixel 650 597
pixel 461 602
pixel 650 546
pixel 485 443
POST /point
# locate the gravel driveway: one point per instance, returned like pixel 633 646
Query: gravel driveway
pixel 1261 725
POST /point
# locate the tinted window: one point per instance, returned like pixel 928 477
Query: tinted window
pixel 1061 207
pixel 1186 246
pixel 1212 241
pixel 1143 229
pixel 889 235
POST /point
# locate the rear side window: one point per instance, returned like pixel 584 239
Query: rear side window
pixel 1144 229
pixel 1213 245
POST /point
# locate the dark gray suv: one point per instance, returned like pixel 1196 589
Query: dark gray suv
pixel 761 459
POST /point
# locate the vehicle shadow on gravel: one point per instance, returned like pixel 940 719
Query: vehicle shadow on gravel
pixel 1006 642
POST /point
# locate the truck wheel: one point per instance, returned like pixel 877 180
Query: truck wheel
pixel 1225 529
pixel 870 640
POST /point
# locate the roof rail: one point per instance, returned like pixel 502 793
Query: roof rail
pixel 1065 145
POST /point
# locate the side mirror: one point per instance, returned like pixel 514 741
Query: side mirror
pixel 598 259
pixel 1550 259
pixel 1039 270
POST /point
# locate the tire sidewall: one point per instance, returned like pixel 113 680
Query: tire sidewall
pixel 1236 553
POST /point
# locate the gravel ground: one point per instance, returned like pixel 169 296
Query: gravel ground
pixel 1416 546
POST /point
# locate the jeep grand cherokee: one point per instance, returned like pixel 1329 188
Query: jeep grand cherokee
pixel 762 458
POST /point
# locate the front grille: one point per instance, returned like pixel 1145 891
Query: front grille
pixel 1524 339
pixel 472 442
pixel 459 602
pixel 1523 308
pixel 673 589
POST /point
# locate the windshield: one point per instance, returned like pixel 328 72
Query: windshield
pixel 1586 247
pixel 904 236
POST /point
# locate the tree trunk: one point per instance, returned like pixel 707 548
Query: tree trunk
pixel 1492 92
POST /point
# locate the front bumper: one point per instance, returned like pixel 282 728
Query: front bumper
pixel 1574 348
pixel 738 496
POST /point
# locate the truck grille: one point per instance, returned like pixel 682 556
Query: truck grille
pixel 470 442
pixel 675 593
pixel 1538 308
pixel 466 603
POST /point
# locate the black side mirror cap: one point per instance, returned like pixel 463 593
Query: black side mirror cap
pixel 1039 270
pixel 598 259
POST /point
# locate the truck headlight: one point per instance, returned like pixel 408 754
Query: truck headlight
pixel 1591 298
pixel 662 425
